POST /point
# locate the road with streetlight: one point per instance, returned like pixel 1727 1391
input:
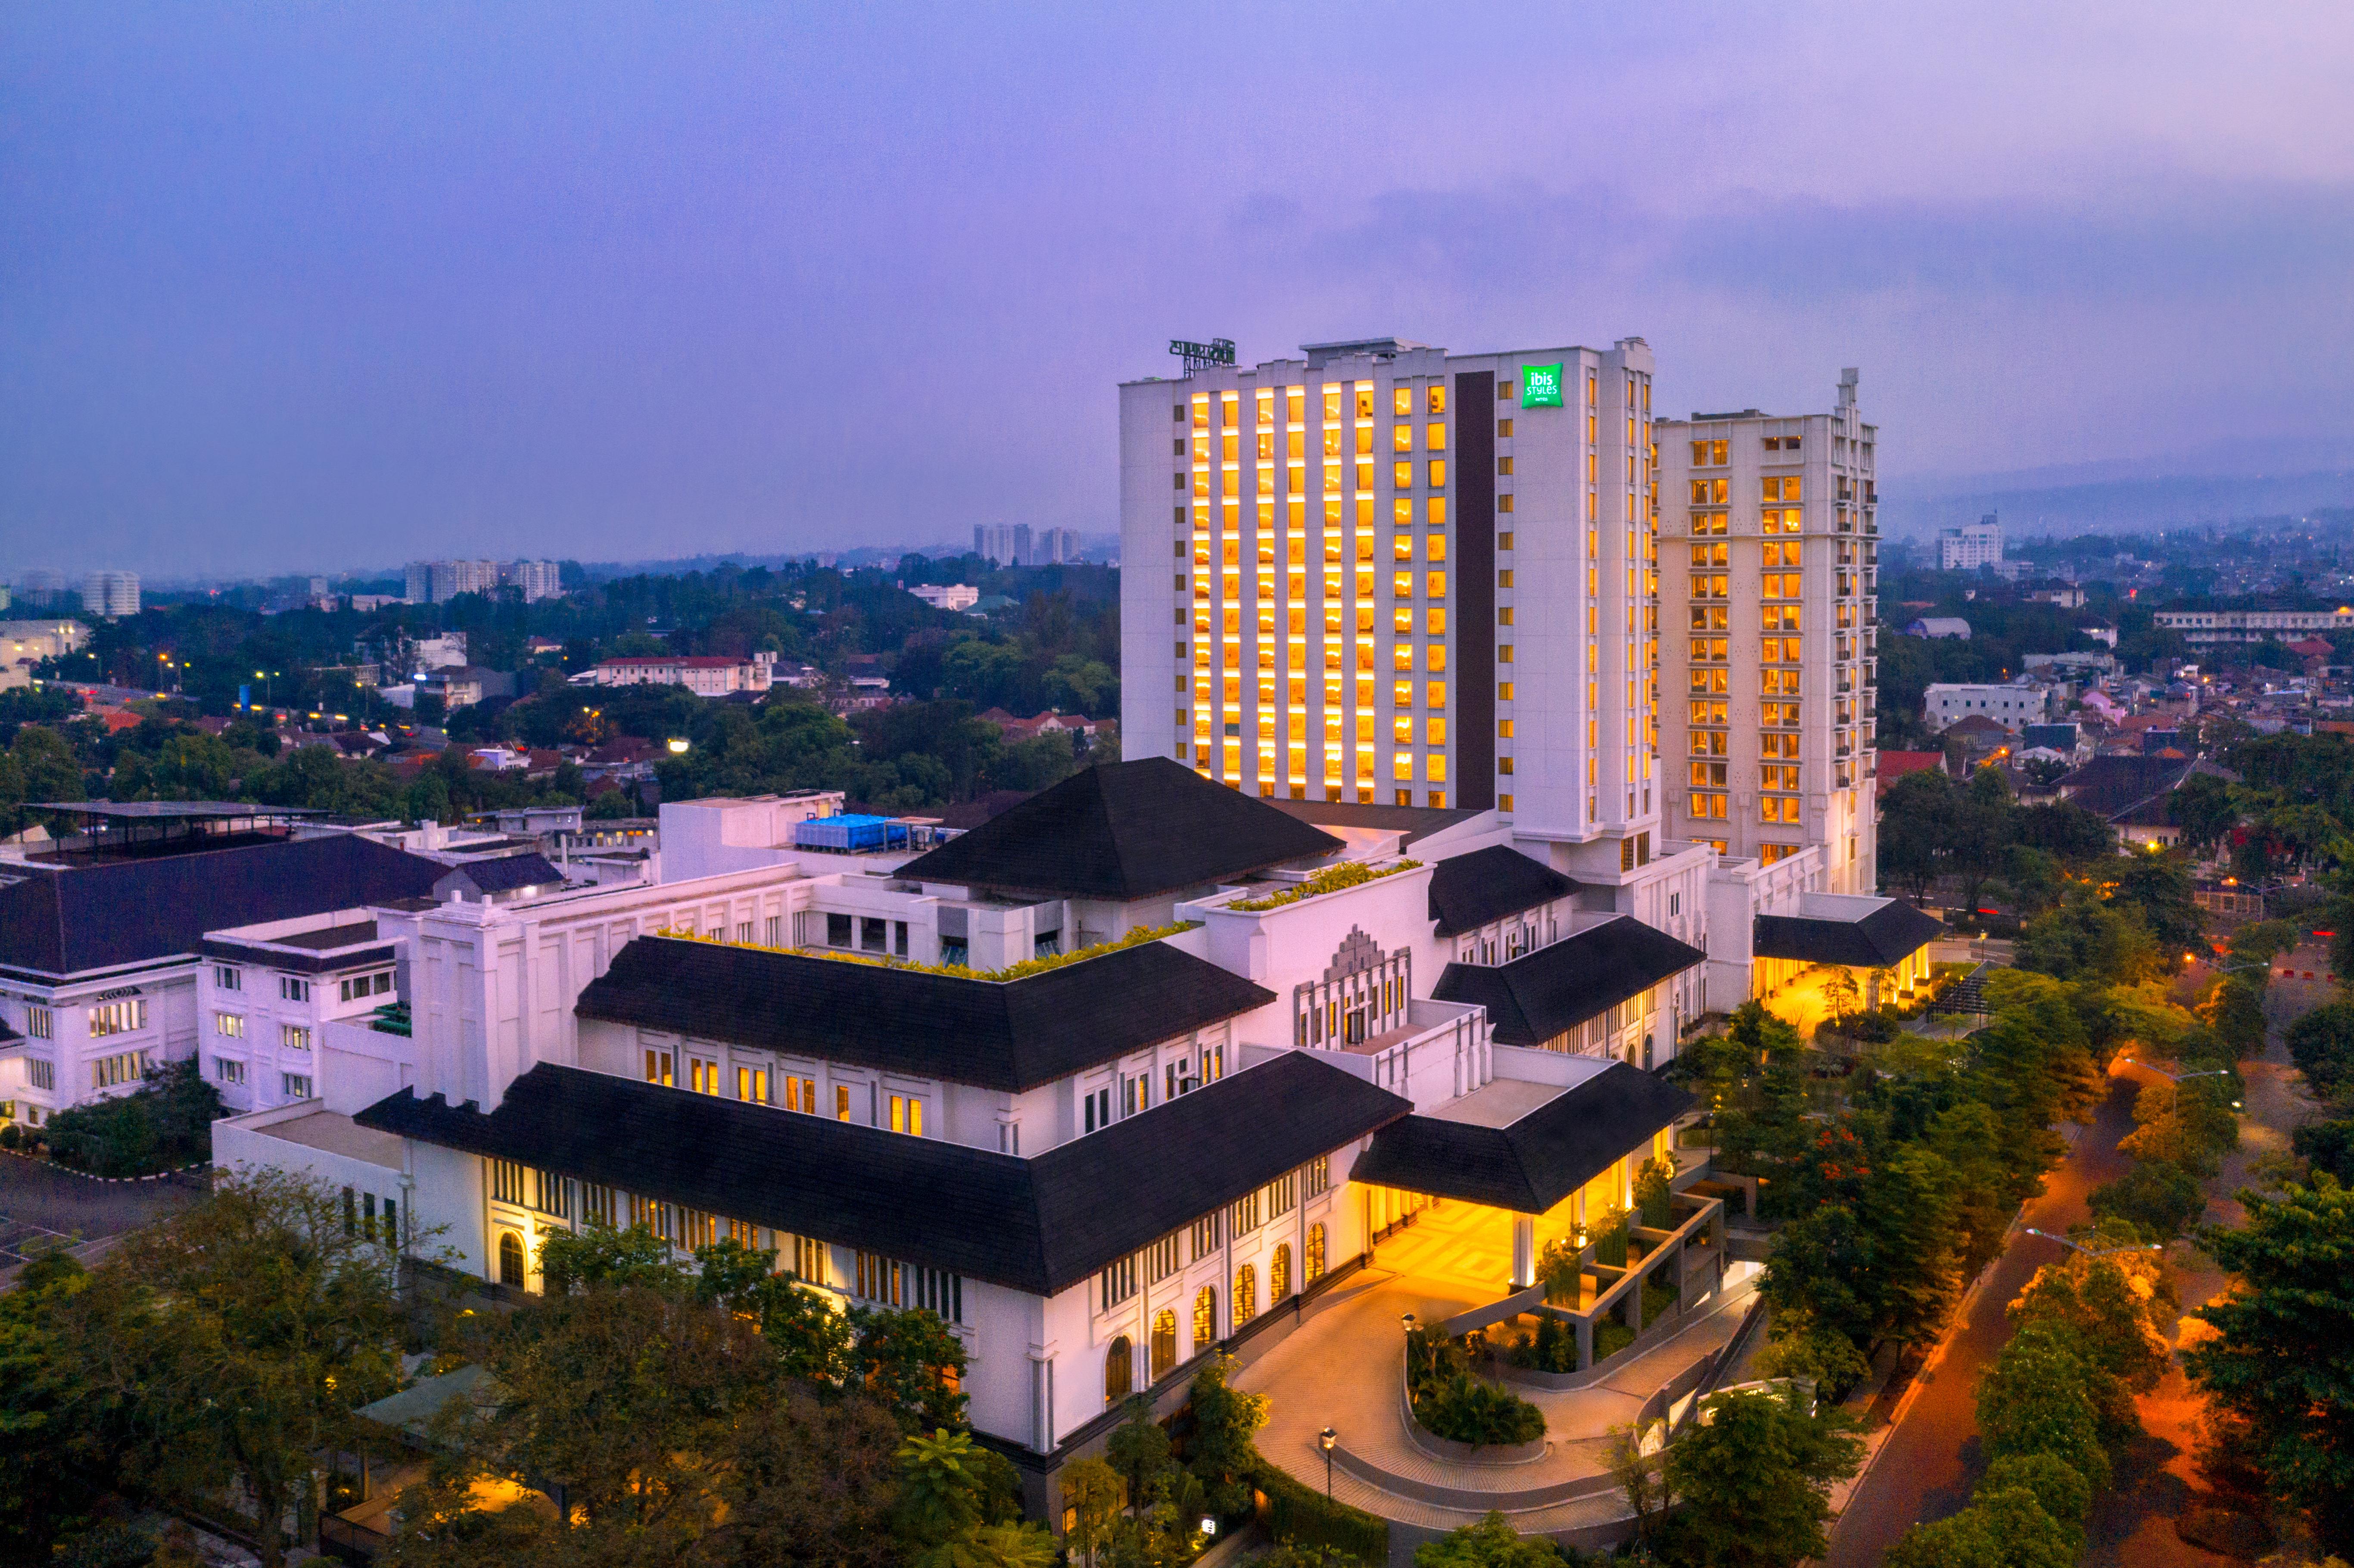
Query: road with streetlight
pixel 1929 1461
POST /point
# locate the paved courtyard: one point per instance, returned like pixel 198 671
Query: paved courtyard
pixel 42 1206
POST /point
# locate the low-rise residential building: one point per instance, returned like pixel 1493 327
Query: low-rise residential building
pixel 712 675
pixel 2011 706
pixel 2197 626
pixel 947 596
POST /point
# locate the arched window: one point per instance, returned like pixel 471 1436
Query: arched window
pixel 510 1270
pixel 1205 1319
pixel 1164 1343
pixel 1278 1275
pixel 1315 1252
pixel 1119 1369
pixel 1245 1295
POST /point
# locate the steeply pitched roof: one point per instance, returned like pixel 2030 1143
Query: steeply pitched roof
pixel 1877 941
pixel 1010 1035
pixel 1128 830
pixel 2115 784
pixel 1536 1162
pixel 1560 986
pixel 1039 1224
pixel 1466 891
pixel 127 912
pixel 505 873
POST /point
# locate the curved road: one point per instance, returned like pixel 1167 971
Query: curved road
pixel 1930 1461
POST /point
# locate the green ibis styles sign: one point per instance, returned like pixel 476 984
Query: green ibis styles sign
pixel 1540 386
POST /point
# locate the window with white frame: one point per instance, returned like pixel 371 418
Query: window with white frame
pixel 359 986
pixel 228 977
pixel 118 1017
pixel 294 1036
pixel 1162 1259
pixel 1320 1175
pixel 40 1023
pixel 1095 1107
pixel 292 988
pixel 295 1085
pixel 1116 1283
pixel 112 1072
pixel 40 1073
pixel 229 1025
pixel 228 1071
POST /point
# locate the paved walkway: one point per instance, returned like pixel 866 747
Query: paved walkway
pixel 1340 1368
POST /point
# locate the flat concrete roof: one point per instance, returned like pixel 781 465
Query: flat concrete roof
pixel 1500 1102
pixel 338 1134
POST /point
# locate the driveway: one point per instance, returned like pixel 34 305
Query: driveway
pixel 41 1206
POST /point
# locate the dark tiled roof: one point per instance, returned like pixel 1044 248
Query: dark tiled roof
pixel 1538 1160
pixel 505 873
pixel 2113 785
pixel 1039 1224
pixel 1470 890
pixel 1534 998
pixel 1132 829
pixel 1011 1035
pixel 103 915
pixel 1877 941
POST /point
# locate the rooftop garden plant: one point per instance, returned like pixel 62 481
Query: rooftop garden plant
pixel 1449 1402
pixel 1331 879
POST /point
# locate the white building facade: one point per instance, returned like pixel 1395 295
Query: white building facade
pixel 2011 706
pixel 1769 568
pixel 1971 545
pixel 110 594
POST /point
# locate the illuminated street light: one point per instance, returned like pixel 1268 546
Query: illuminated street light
pixel 2098 1251
pixel 1325 1440
pixel 678 748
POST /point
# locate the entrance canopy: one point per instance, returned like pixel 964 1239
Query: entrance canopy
pixel 1843 929
pixel 1537 1159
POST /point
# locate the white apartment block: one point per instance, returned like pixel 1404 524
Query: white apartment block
pixel 110 594
pixel 714 676
pixel 1055 547
pixel 1768 555
pixel 2254 625
pixel 1007 544
pixel 1400 576
pixel 2012 707
pixel 24 644
pixel 1971 545
pixel 438 582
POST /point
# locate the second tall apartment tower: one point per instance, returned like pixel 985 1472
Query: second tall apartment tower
pixel 1400 576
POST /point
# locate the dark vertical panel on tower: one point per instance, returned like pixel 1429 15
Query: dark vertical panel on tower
pixel 1475 591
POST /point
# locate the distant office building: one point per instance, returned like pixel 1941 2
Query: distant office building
pixel 710 676
pixel 1055 547
pixel 1007 544
pixel 438 582
pixel 948 596
pixel 5 597
pixel 1971 545
pixel 110 594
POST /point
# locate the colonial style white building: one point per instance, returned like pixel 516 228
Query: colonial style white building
pixel 1118 1079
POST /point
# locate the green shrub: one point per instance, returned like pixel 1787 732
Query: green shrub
pixel 1552 1348
pixel 164 1125
pixel 1654 1193
pixel 1465 1410
pixel 1610 1337
pixel 1610 1240
pixel 1297 1513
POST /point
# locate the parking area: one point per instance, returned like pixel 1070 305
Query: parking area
pixel 42 1207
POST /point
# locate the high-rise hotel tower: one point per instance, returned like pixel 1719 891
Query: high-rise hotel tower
pixel 1767 551
pixel 1401 577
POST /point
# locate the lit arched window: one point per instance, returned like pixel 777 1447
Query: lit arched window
pixel 1245 1295
pixel 1119 1362
pixel 1164 1343
pixel 1315 1252
pixel 510 1270
pixel 1205 1319
pixel 1278 1275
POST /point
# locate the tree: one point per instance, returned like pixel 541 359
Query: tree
pixel 2278 1359
pixel 2158 1200
pixel 2203 809
pixel 910 1361
pixel 165 1125
pixel 42 1484
pixel 1916 824
pixel 2005 1529
pixel 1797 1345
pixel 2321 1044
pixel 2040 1396
pixel 1756 1479
pixel 1138 1450
pixel 1224 1420
pixel 599 1255
pixel 1490 1543
pixel 1642 1480
pixel 2232 1010
pixel 2084 937
pixel 944 1514
pixel 2158 887
pixel 224 1347
pixel 1093 1494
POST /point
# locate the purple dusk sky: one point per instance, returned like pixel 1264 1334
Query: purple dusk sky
pixel 308 287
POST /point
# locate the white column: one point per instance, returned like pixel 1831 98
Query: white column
pixel 1525 1251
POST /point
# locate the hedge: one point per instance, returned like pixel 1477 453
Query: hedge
pixel 1294 1512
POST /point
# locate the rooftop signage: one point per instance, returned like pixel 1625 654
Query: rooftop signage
pixel 1201 355
pixel 1540 386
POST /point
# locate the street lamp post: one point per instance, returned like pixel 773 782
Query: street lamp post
pixel 2180 1077
pixel 2098 1251
pixel 1325 1440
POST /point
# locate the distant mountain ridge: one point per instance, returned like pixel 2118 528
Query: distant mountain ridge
pixel 2119 504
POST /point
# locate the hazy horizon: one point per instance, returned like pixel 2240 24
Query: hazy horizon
pixel 286 290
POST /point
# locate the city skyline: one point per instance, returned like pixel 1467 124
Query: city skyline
pixel 288 287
